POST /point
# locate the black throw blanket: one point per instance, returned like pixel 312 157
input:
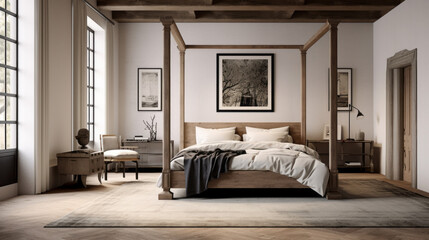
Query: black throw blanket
pixel 201 166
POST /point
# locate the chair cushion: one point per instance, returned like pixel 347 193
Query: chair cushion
pixel 121 153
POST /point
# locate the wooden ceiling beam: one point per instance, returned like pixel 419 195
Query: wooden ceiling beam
pixel 278 16
pixel 141 16
pixel 244 46
pixel 133 7
pixel 248 10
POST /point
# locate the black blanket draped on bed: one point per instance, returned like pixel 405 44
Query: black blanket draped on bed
pixel 201 166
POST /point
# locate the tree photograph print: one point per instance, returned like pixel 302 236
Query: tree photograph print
pixel 245 82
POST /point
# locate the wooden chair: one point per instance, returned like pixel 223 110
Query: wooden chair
pixel 114 153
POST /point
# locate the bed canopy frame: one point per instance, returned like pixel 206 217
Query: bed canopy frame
pixel 170 179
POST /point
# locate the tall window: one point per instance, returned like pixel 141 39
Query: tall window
pixel 8 74
pixel 90 83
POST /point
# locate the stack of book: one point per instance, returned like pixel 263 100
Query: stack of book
pixel 352 164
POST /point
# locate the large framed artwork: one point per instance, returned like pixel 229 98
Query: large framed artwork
pixel 149 89
pixel 344 89
pixel 245 82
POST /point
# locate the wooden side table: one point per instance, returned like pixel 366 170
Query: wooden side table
pixel 150 152
pixel 81 163
pixel 350 154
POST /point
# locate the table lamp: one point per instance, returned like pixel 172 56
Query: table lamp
pixel 359 114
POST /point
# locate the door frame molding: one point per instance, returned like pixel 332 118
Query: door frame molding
pixel 401 59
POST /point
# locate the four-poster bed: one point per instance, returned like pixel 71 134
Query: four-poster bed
pixel 245 179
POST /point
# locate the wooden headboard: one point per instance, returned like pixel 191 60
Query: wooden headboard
pixel 294 128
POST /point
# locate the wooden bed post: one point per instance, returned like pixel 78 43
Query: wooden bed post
pixel 333 192
pixel 182 48
pixel 303 96
pixel 182 99
pixel 166 194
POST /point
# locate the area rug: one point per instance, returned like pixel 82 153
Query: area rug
pixel 366 203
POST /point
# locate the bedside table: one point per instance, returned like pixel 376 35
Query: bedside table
pixel 357 154
pixel 150 152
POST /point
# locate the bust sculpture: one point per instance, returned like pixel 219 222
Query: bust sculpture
pixel 83 138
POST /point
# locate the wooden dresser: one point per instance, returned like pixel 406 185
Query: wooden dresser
pixel 150 153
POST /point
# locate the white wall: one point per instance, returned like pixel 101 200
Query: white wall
pixel 26 99
pixel 405 27
pixel 141 45
pixel 60 136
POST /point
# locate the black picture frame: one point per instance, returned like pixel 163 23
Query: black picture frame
pixel 149 89
pixel 245 82
pixel 344 100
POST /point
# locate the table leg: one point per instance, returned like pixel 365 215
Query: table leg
pixel 99 177
pixel 137 170
pixel 105 171
pixel 123 169
pixel 371 156
pixel 363 157
pixel 81 180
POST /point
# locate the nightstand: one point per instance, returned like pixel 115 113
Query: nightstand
pixel 357 155
pixel 150 152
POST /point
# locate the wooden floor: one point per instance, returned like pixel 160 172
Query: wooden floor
pixel 23 217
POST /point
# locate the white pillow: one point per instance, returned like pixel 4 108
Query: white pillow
pixel 250 131
pixel 207 135
pixel 288 138
pixel 280 129
pixel 266 136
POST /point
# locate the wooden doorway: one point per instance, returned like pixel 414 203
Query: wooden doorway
pixel 407 123
pixel 401 117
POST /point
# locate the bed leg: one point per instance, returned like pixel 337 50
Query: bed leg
pixel 166 194
pixel 333 192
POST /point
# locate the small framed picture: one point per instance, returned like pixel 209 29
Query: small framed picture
pixel 326 132
pixel 149 89
pixel 344 89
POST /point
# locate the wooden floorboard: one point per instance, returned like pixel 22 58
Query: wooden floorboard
pixel 24 217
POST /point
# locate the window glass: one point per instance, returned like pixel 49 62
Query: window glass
pixel 2 137
pixel 10 81
pixel 11 54
pixel 8 74
pixel 90 83
pixel 2 51
pixel 2 24
pixel 11 27
pixel 2 108
pixel 2 77
pixel 11 109
pixel 11 5
pixel 11 136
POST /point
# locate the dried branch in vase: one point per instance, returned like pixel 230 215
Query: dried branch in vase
pixel 153 128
